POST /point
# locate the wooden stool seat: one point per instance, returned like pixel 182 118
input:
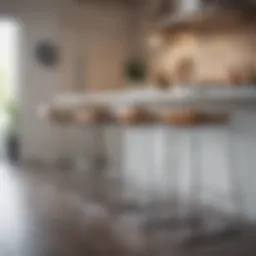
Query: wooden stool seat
pixel 59 116
pixel 192 118
pixel 136 116
pixel 94 116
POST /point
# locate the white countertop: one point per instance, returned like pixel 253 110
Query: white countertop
pixel 168 98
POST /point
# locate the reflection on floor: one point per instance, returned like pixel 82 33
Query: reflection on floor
pixel 48 213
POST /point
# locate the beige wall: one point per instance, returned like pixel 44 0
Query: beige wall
pixel 99 35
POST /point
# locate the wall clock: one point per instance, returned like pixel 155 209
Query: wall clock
pixel 47 53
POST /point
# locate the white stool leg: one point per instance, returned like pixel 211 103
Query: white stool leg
pixel 234 176
pixel 171 167
pixel 195 180
pixel 100 163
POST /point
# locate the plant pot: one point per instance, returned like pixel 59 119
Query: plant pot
pixel 12 148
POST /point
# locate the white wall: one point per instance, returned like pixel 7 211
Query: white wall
pixel 38 20
pixel 97 32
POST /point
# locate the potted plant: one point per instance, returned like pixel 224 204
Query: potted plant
pixel 12 135
pixel 135 71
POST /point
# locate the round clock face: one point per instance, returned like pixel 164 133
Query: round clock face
pixel 47 53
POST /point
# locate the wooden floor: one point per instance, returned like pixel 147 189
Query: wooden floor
pixel 45 213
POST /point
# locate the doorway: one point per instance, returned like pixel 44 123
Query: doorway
pixel 8 87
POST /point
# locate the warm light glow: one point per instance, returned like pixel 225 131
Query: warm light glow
pixel 155 41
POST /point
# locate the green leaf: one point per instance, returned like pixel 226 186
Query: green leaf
pixel 135 70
